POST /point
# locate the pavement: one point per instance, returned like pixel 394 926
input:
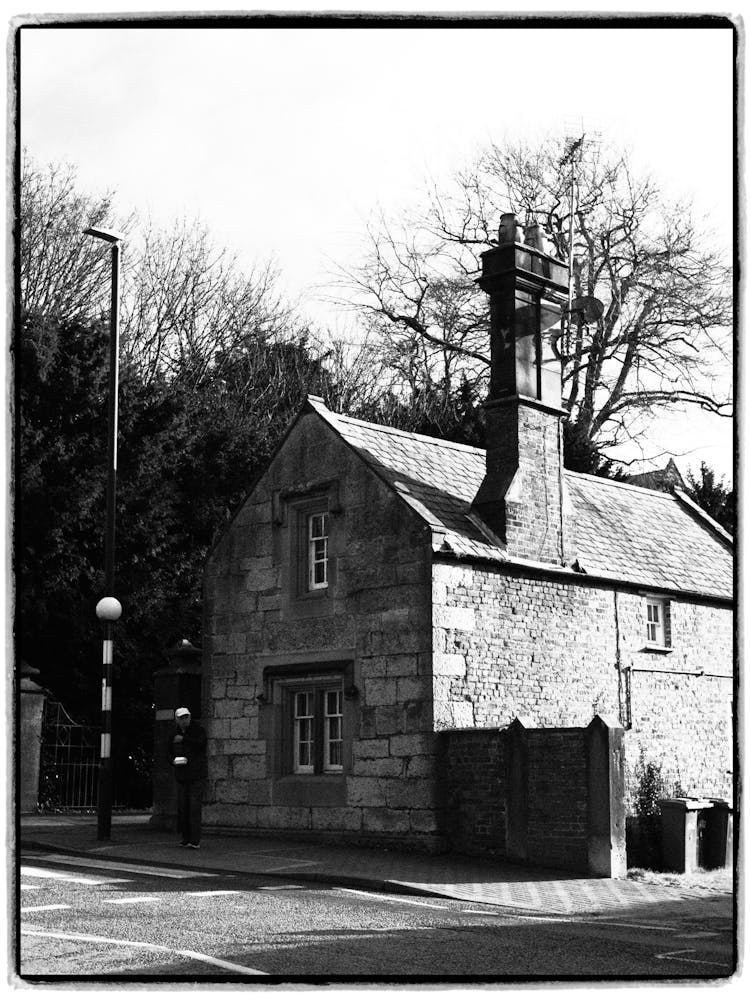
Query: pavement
pixel 527 890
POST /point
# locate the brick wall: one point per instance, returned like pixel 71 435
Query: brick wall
pixel 521 495
pixel 482 801
pixel 474 763
pixel 549 649
pixel 557 798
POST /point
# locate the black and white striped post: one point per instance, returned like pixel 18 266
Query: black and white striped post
pixel 108 610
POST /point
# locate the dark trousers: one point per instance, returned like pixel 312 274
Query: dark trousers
pixel 189 802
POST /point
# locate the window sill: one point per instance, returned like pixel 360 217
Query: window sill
pixel 314 594
pixel 312 776
pixel 652 648
pixel 310 790
pixel 316 604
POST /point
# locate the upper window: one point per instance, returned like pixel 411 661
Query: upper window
pixel 656 622
pixel 317 551
pixel 306 521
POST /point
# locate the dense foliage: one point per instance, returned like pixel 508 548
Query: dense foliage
pixel 710 492
pixel 213 367
pixel 187 455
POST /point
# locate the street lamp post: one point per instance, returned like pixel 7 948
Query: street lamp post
pixel 108 610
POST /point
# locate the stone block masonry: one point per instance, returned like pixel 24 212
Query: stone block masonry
pixel 557 650
pixel 370 632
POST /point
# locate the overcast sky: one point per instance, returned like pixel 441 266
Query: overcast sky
pixel 285 141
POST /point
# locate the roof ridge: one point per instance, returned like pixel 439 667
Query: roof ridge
pixel 617 482
pixel 411 435
pixel 444 442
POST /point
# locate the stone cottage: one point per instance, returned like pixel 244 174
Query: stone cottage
pixel 380 588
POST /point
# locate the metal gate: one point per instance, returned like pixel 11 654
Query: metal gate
pixel 69 766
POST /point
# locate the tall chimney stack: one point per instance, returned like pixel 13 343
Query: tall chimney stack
pixel 522 495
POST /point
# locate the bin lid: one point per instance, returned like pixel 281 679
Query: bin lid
pixel 686 803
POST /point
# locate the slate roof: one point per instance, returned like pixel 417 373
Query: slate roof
pixel 652 539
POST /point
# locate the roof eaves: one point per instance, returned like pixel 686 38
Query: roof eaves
pixel 582 576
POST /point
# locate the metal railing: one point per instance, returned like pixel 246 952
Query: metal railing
pixel 69 766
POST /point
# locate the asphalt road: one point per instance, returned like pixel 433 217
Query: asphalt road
pixel 124 921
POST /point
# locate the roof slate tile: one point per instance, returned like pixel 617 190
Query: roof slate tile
pixel 627 532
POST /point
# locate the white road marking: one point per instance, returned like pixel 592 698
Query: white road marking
pixel 699 934
pixel 277 888
pixel 282 868
pixel 679 956
pixel 124 866
pixel 214 892
pixel 49 906
pixel 637 927
pixel 26 885
pixel 114 847
pixel 66 876
pixel 390 898
pixel 395 899
pixel 131 899
pixel 93 939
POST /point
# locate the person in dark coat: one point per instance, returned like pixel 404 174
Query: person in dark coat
pixel 190 771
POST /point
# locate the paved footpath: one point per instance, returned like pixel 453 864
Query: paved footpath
pixel 528 890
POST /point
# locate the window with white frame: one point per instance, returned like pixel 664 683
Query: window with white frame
pixel 333 730
pixel 656 621
pixel 317 729
pixel 317 551
pixel 304 734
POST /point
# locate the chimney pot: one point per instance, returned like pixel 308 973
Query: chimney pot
pixel 510 231
pixel 536 238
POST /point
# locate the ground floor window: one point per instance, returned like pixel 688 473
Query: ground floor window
pixel 317 728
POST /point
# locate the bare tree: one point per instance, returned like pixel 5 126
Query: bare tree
pixel 62 272
pixel 188 303
pixel 662 340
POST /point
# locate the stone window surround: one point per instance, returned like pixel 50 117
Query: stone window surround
pixel 317 549
pixel 291 510
pixel 280 679
pixel 318 688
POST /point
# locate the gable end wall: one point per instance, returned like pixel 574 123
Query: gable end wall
pixel 375 624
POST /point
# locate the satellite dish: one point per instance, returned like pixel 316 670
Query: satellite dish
pixel 588 308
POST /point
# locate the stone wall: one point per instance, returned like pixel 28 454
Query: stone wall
pixel 556 651
pixel 373 627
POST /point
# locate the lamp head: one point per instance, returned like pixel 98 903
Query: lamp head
pixel 108 235
pixel 108 609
